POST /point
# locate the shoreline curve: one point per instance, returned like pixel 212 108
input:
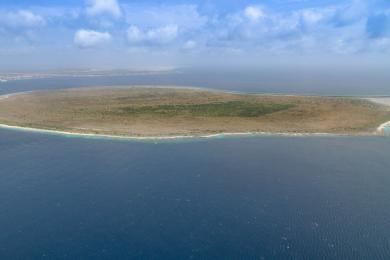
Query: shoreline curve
pixel 173 137
pixel 382 128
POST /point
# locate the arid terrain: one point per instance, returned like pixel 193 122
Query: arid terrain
pixel 165 111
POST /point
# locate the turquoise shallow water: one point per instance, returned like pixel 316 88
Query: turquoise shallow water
pixel 387 130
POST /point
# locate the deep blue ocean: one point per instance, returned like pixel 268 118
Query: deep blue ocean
pixel 269 197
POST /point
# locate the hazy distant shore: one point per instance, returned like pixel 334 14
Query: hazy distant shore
pixel 11 76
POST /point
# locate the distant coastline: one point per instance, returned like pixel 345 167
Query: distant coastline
pixel 5 77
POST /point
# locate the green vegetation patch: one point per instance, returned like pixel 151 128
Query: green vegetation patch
pixel 224 109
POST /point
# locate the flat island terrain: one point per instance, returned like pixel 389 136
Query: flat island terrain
pixel 166 111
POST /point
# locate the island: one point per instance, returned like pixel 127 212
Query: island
pixel 151 111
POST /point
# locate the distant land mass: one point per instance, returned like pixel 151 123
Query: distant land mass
pixel 151 111
pixel 10 76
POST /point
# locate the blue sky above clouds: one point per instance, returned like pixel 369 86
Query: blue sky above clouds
pixel 136 33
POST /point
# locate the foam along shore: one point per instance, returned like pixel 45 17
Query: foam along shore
pixel 4 96
pixel 103 136
pixel 13 94
pixel 66 133
pixel 384 128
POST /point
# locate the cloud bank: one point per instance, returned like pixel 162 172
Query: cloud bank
pixel 21 18
pixel 98 7
pixel 255 32
pixel 89 38
pixel 158 35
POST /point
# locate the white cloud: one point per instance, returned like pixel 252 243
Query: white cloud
pixel 97 7
pixel 253 13
pixel 381 45
pixel 312 16
pixel 187 16
pixel 21 18
pixel 89 38
pixel 191 28
pixel 189 45
pixel 157 35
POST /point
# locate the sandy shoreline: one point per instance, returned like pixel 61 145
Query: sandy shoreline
pixel 382 101
pixel 383 126
pixel 13 94
pixel 4 97
pixel 104 136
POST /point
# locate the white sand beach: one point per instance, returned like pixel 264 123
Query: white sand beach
pixel 383 101
pixel 102 136
pixel 380 100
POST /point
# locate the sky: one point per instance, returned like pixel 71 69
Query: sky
pixel 116 34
